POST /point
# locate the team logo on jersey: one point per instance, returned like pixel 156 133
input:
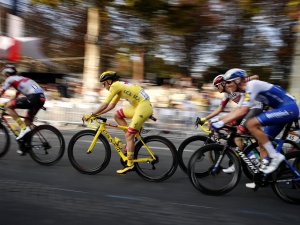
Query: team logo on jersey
pixel 279 114
pixel 247 97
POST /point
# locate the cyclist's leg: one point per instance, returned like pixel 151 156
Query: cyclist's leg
pixel 120 115
pixel 276 117
pixel 242 126
pixel 12 105
pixel 141 113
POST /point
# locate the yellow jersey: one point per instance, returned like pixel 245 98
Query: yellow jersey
pixel 133 93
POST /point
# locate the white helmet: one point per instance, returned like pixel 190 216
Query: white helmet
pixel 233 74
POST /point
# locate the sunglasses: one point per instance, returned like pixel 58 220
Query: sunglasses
pixel 217 85
pixel 104 83
pixel 228 82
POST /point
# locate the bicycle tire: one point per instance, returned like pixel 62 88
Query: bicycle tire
pixel 49 139
pixel 4 139
pixel 254 147
pixel 185 149
pixel 202 175
pixel 166 160
pixel 91 163
pixel 288 191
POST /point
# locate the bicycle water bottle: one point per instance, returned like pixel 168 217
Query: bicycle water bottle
pixel 119 142
pixel 253 159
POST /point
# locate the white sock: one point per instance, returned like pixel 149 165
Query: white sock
pixel 270 149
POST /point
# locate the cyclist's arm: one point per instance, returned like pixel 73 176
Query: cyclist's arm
pixel 254 77
pixel 107 105
pixel 236 114
pixel 215 112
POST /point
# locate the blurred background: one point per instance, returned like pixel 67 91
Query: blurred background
pixel 173 48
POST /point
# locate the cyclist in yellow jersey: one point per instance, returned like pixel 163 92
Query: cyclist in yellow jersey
pixel 140 109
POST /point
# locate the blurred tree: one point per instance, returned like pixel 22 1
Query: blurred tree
pixel 55 3
pixel 62 30
pixel 201 35
pixel 178 28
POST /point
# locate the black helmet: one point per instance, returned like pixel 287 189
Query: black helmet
pixel 108 75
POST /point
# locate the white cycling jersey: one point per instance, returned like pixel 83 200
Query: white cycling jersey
pixel 24 85
pixel 238 97
pixel 269 94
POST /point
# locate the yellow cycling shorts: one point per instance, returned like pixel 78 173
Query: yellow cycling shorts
pixel 139 115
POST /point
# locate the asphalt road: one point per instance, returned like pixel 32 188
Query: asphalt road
pixel 34 194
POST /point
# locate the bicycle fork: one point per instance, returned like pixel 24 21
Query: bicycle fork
pixel 241 154
pixel 98 132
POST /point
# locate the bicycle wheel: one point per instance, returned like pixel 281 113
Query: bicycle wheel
pixel 91 163
pixel 4 139
pixel 288 146
pixel 208 179
pixel 46 145
pixel 166 159
pixel 285 186
pixel 188 147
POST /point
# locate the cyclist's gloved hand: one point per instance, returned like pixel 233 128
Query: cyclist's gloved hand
pixel 200 121
pixel 217 125
pixel 86 117
pixel 2 104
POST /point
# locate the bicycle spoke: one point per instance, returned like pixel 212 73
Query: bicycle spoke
pixel 88 163
pixel 46 145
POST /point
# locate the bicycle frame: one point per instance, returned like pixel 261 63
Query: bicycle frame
pixel 8 125
pixel 254 169
pixel 278 148
pixel 102 129
pixel 211 134
pixel 4 119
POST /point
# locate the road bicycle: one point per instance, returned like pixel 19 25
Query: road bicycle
pixel 207 176
pixel 44 143
pixel 89 152
pixel 191 144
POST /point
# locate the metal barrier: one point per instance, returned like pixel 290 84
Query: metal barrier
pixel 168 119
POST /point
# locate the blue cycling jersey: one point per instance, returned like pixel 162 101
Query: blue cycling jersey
pixel 284 106
pixel 269 94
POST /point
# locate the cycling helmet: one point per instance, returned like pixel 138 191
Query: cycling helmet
pixel 10 69
pixel 108 75
pixel 218 79
pixel 233 74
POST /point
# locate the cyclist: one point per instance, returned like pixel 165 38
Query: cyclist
pixel 33 99
pixel 140 109
pixel 255 109
pixel 284 109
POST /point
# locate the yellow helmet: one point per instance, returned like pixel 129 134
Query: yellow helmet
pixel 108 75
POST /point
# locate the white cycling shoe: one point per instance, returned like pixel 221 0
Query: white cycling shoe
pixel 23 133
pixel 274 163
pixel 251 185
pixel 230 169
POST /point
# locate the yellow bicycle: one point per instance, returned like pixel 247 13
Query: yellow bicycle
pixel 89 151
pixel 193 143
